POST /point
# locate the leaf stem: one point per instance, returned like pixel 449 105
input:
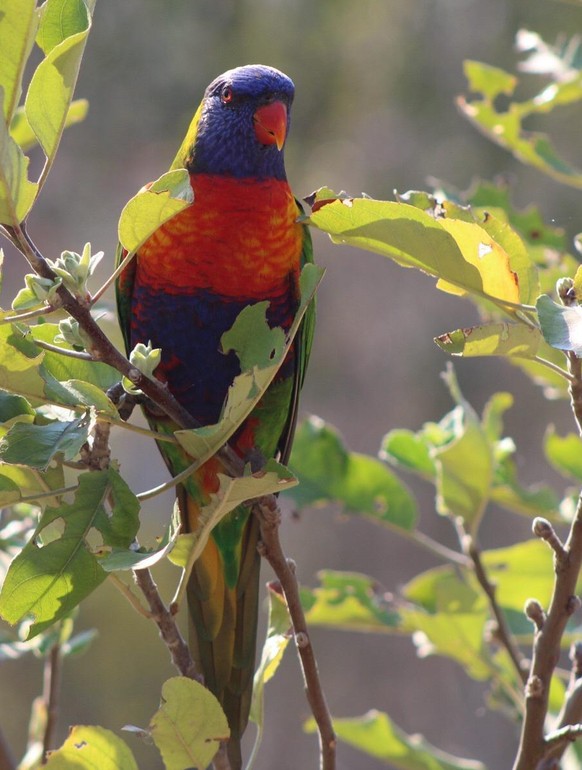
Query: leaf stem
pixel 118 270
pixel 554 367
pixel 80 354
pixel 39 311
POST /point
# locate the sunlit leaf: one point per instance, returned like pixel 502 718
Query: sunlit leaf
pixel 87 748
pixel 350 601
pixel 462 255
pixel 561 325
pixel 25 137
pixel 63 34
pixel 564 453
pixel 18 23
pixel 493 339
pixel 278 637
pixel 504 125
pixel 188 726
pixel 152 206
pixel 328 472
pixel 375 734
pixel 409 451
pixel 17 192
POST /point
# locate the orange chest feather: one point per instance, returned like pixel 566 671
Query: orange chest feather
pixel 239 238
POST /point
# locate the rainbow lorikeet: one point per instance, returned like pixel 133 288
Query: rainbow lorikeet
pixel 238 243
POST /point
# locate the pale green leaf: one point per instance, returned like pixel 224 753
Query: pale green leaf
pixel 462 255
pixel 25 137
pixel 147 211
pixel 51 88
pixel 189 725
pixel 17 192
pixel 492 339
pixel 18 23
pixel 89 748
pixel 375 734
pixel 564 453
pixel 349 601
pixel 561 325
pixel 276 642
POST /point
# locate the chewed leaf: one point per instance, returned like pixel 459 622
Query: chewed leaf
pixel 87 748
pixel 36 445
pixel 504 126
pixel 464 256
pixel 494 339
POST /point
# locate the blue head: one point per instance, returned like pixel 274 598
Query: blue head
pixel 243 124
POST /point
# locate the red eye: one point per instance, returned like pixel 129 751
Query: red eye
pixel 226 95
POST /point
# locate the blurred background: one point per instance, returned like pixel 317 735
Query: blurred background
pixel 374 111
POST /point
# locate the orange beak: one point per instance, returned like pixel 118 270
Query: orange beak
pixel 271 124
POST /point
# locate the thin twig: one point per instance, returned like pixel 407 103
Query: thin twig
pixel 503 633
pixel 80 354
pixel 7 761
pixel 270 548
pixel 166 623
pixel 130 596
pixel 26 316
pixel 50 695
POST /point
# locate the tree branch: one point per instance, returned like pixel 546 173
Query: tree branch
pixel 269 516
pixel 166 623
pixel 50 696
pixel 6 759
pixel 503 633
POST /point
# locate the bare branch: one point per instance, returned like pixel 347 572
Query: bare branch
pixel 7 761
pixel 270 548
pixel 50 696
pixel 166 623
pixel 503 634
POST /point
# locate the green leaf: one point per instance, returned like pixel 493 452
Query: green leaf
pixel 63 33
pixel 19 362
pixel 492 339
pixel 561 325
pixel 18 23
pixel 46 581
pixel 564 453
pixel 19 481
pixel 375 734
pixel 462 255
pixel 188 726
pixel 152 206
pixel 36 445
pixel 24 136
pixel 87 748
pixel 464 464
pixel 409 451
pixel 59 21
pixel 17 192
pixel 276 642
pixel 328 472
pixel 350 601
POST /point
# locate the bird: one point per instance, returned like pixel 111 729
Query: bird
pixel 241 241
